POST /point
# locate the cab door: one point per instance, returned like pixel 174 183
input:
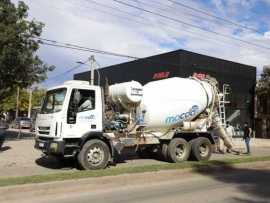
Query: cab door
pixel 84 112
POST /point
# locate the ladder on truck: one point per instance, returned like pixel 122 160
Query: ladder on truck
pixel 222 101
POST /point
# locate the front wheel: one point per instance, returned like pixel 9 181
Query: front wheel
pixel 95 154
pixel 178 150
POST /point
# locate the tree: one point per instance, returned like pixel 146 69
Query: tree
pixel 37 97
pixel 19 64
pixel 263 85
pixel 9 103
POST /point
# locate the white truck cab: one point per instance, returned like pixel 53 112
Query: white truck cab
pixel 69 112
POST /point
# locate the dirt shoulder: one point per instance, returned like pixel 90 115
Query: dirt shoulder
pixel 19 158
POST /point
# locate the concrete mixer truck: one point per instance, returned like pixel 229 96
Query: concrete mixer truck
pixel 174 117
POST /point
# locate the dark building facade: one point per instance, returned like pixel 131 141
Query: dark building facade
pixel 241 78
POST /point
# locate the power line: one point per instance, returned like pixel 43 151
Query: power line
pixel 81 48
pixel 152 4
pixel 191 25
pixel 199 35
pixel 193 33
pixel 196 35
pixel 130 14
pixel 231 23
pixel 98 51
pixel 113 8
pixel 112 14
pixel 66 72
pixel 214 16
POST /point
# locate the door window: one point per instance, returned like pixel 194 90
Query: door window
pixel 85 102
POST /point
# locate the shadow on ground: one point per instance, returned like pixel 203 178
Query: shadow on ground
pixel 5 148
pixel 51 162
pixel 255 183
pixel 126 155
pixel 239 200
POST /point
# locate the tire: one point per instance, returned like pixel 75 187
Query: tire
pixel 94 155
pixel 201 149
pixel 178 150
pixel 164 152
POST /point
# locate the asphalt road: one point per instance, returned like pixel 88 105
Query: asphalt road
pixel 248 183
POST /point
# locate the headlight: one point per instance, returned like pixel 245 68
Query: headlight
pixel 54 146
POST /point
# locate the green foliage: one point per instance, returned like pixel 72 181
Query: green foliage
pixel 263 85
pixel 37 97
pixel 9 103
pixel 19 64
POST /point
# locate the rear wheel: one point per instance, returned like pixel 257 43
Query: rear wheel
pixel 178 150
pixel 201 149
pixel 95 154
pixel 164 152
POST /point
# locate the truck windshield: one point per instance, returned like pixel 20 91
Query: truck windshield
pixel 53 101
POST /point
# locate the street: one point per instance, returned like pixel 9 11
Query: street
pixel 247 183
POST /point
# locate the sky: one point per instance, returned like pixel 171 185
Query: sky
pixel 110 26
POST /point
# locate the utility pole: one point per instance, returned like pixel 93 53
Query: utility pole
pixel 17 102
pixel 30 103
pixel 92 61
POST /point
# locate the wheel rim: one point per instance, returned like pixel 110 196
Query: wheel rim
pixel 180 151
pixel 95 155
pixel 204 150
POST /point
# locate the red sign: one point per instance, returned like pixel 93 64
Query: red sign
pixel 161 75
pixel 200 76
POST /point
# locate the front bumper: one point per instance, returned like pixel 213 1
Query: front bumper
pixel 50 146
pixel 25 126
